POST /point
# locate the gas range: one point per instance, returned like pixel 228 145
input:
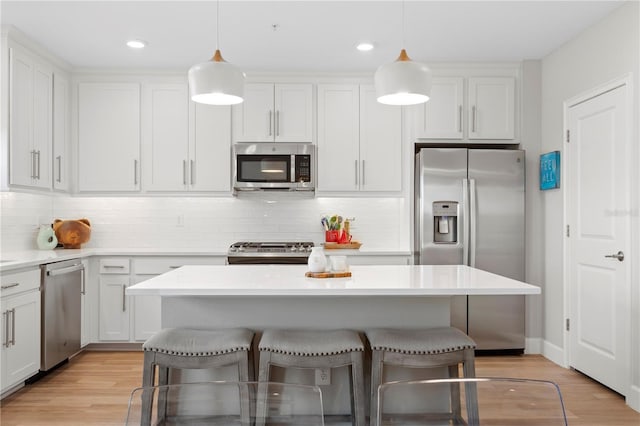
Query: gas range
pixel 295 252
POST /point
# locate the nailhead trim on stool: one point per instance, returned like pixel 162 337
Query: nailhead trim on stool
pixel 184 348
pixel 422 348
pixel 317 349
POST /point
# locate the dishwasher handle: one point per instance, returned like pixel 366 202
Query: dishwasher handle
pixel 67 270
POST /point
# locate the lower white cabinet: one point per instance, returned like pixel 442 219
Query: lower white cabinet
pixel 374 259
pixel 125 318
pixel 114 304
pixel 20 331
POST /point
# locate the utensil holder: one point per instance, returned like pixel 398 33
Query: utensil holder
pixel 331 236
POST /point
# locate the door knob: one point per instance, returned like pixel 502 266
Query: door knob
pixel 619 256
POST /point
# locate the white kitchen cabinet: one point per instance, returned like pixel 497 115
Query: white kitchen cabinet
pixel 210 148
pixel 61 132
pixel 274 113
pixel 108 137
pixel 442 116
pixel 380 143
pixel 492 108
pixel 359 140
pixel 488 105
pixel 165 137
pixel 185 146
pixel 114 306
pixel 20 328
pixel 147 311
pixel 30 120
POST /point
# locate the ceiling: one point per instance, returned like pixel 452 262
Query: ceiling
pixel 299 35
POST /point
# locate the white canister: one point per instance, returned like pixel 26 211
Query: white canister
pixel 46 238
pixel 317 260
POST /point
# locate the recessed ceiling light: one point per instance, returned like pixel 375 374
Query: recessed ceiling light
pixel 365 46
pixel 136 44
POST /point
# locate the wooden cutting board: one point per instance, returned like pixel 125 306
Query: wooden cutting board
pixel 345 274
pixel 351 245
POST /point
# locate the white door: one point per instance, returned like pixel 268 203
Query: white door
pixel 254 118
pixel 210 148
pixel 491 108
pixel 293 109
pixel 441 117
pixel 599 220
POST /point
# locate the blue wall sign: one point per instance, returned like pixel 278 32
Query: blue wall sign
pixel 550 170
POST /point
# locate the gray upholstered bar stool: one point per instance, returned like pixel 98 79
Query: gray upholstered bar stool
pixel 317 349
pixel 422 348
pixel 183 348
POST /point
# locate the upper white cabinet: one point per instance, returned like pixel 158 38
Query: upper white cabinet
pixel 185 146
pixel 492 108
pixel 488 105
pixel 109 137
pixel 274 113
pixel 441 116
pixel 30 120
pixel 359 139
pixel 60 132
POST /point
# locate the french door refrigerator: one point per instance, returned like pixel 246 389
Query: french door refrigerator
pixel 469 210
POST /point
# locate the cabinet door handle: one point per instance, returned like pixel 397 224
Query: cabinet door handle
pixel 460 118
pixel 113 266
pixel 59 160
pixel 13 327
pixel 473 118
pixel 356 162
pixel 277 123
pixel 38 169
pixel 4 287
pixel 191 172
pixel 270 124
pixel 5 314
pixel 124 298
pixel 184 172
pixel 135 172
pixel 33 164
pixel 363 173
pixel 83 289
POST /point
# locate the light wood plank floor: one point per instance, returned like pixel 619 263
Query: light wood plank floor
pixel 93 389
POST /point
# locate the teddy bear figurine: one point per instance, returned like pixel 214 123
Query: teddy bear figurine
pixel 72 233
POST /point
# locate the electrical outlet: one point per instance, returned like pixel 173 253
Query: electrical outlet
pixel 180 221
pixel 323 376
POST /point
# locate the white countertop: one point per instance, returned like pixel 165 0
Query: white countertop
pixel 10 260
pixel 289 280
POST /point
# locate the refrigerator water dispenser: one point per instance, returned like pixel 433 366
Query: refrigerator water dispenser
pixel 445 222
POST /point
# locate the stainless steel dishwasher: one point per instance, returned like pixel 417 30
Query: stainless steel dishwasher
pixel 61 292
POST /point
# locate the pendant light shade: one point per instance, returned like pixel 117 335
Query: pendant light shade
pixel 216 82
pixel 403 82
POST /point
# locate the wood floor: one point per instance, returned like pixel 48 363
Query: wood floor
pixel 93 389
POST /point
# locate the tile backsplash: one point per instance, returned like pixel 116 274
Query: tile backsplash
pixel 206 223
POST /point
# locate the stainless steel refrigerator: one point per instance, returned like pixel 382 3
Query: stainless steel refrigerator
pixel 469 209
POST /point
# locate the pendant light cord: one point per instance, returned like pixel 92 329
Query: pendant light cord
pixel 403 46
pixel 217 24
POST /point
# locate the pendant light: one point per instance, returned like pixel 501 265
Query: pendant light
pixel 216 82
pixel 403 82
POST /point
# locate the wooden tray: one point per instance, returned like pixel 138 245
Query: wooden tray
pixel 310 274
pixel 351 245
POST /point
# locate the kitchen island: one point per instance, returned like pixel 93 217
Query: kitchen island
pixel 280 296
pixel 261 296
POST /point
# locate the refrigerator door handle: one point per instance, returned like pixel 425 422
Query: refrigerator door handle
pixel 465 221
pixel 473 225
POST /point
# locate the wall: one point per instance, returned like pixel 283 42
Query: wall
pixel 604 52
pixel 202 223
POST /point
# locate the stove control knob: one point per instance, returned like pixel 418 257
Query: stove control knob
pixel 233 249
pixel 294 249
pixel 241 248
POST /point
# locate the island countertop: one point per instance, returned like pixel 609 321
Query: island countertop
pixel 290 280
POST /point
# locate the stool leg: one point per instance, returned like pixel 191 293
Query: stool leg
pixel 148 371
pixel 163 380
pixel 469 371
pixel 357 389
pixel 454 392
pixel 376 380
pixel 245 399
pixel 263 378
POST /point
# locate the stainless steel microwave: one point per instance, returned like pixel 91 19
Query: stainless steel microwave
pixel 269 166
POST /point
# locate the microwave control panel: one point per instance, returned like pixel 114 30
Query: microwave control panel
pixel 303 168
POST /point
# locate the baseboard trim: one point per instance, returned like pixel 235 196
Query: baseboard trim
pixel 533 345
pixel 113 346
pixel 553 353
pixel 633 399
